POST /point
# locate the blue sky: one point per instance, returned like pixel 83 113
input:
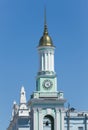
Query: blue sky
pixel 21 26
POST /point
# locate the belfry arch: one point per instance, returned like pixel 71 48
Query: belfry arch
pixel 48 122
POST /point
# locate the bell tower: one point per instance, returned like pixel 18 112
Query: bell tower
pixel 46 80
pixel 46 103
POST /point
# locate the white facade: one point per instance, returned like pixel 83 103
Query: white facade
pixel 77 120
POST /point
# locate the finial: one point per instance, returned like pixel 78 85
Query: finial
pixel 14 102
pixel 45 15
pixel 45 23
pixel 45 39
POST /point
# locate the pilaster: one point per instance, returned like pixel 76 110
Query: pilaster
pixel 35 119
pixel 40 119
pixel 61 119
pixel 57 119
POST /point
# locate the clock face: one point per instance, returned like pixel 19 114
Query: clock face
pixel 47 83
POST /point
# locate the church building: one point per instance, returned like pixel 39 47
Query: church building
pixel 45 109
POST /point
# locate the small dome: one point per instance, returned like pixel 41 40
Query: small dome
pixel 45 39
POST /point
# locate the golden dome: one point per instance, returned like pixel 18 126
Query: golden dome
pixel 45 39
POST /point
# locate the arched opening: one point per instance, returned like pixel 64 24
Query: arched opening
pixel 48 123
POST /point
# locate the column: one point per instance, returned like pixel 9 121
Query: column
pixel 49 62
pixel 35 119
pixel 52 61
pixel 57 120
pixel 45 61
pixel 42 62
pixel 40 119
pixel 61 120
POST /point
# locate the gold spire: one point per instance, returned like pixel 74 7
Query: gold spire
pixel 45 39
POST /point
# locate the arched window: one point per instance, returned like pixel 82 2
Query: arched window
pixel 48 123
